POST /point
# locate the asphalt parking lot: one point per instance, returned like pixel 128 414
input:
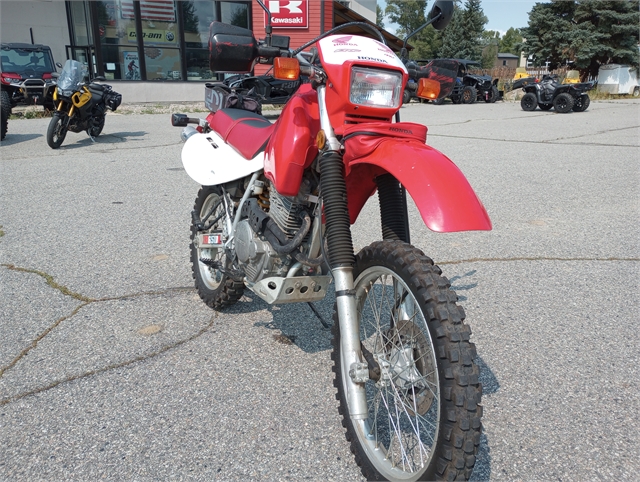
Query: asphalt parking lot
pixel 111 367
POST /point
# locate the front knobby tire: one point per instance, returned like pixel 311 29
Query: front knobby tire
pixel 214 285
pixel 423 408
pixel 469 95
pixel 57 131
pixel 529 102
pixel 5 113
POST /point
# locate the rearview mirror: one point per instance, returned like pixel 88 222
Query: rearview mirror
pixel 231 49
pixel 445 9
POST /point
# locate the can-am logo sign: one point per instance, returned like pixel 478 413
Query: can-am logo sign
pixel 288 13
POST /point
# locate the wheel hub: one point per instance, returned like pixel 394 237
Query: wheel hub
pixel 407 365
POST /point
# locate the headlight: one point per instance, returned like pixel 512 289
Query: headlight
pixel 375 88
pixel 65 93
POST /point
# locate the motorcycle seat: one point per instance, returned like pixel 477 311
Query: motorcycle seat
pixel 245 131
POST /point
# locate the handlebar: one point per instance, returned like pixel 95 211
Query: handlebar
pixel 417 74
pixel 269 52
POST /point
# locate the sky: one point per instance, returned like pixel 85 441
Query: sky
pixel 502 14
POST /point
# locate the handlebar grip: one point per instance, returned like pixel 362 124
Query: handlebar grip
pixel 264 51
pixel 417 74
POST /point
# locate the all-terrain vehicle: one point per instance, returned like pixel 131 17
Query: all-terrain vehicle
pixel 26 77
pixel 471 87
pixel 27 74
pixel 550 93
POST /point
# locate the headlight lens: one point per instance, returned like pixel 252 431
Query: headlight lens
pixel 375 88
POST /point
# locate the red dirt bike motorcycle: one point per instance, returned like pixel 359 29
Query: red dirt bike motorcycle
pixel 274 216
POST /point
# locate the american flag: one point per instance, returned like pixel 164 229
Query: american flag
pixel 161 10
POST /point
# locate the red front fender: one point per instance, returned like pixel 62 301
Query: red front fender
pixel 442 194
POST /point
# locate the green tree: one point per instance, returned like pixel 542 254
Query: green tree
pixel 587 33
pixel 510 41
pixel 463 38
pixel 490 42
pixel 452 36
pixel 407 14
pixel 473 22
pixel 379 17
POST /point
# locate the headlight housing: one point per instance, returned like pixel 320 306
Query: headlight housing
pixel 65 93
pixel 375 87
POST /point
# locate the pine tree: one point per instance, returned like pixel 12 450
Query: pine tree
pixel 452 36
pixel 463 36
pixel 379 17
pixel 587 33
pixel 473 22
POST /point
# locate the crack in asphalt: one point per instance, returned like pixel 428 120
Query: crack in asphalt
pixel 87 301
pixel 107 368
pixel 102 151
pixel 551 142
pixel 533 258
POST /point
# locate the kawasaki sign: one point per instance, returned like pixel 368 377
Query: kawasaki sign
pixel 288 13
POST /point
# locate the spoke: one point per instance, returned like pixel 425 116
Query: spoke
pixel 374 312
pixel 377 409
pixel 394 329
pixel 386 302
pixel 398 397
pixel 393 430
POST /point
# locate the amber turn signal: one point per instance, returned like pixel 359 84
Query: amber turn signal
pixel 285 68
pixel 428 89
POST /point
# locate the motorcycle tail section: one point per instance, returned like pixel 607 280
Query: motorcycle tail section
pixel 210 161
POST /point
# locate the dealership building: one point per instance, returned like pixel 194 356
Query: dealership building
pixel 157 50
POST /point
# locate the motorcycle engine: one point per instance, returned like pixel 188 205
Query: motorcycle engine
pixel 256 257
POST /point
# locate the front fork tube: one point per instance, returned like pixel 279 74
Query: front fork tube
pixel 342 260
pixel 350 347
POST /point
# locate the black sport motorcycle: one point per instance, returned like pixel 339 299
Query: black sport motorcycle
pixel 79 106
pixel 550 93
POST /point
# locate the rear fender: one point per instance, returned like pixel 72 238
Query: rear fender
pixel 442 194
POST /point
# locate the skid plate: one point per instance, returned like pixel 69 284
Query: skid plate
pixel 291 290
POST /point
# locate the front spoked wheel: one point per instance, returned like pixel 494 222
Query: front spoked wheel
pixel 217 283
pixel 423 390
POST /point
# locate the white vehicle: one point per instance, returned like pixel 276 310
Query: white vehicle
pixel 618 79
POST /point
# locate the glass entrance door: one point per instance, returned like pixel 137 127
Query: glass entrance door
pixel 85 54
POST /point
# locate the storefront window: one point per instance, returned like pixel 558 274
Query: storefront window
pixel 197 18
pixel 117 36
pixel 235 13
pixel 119 51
